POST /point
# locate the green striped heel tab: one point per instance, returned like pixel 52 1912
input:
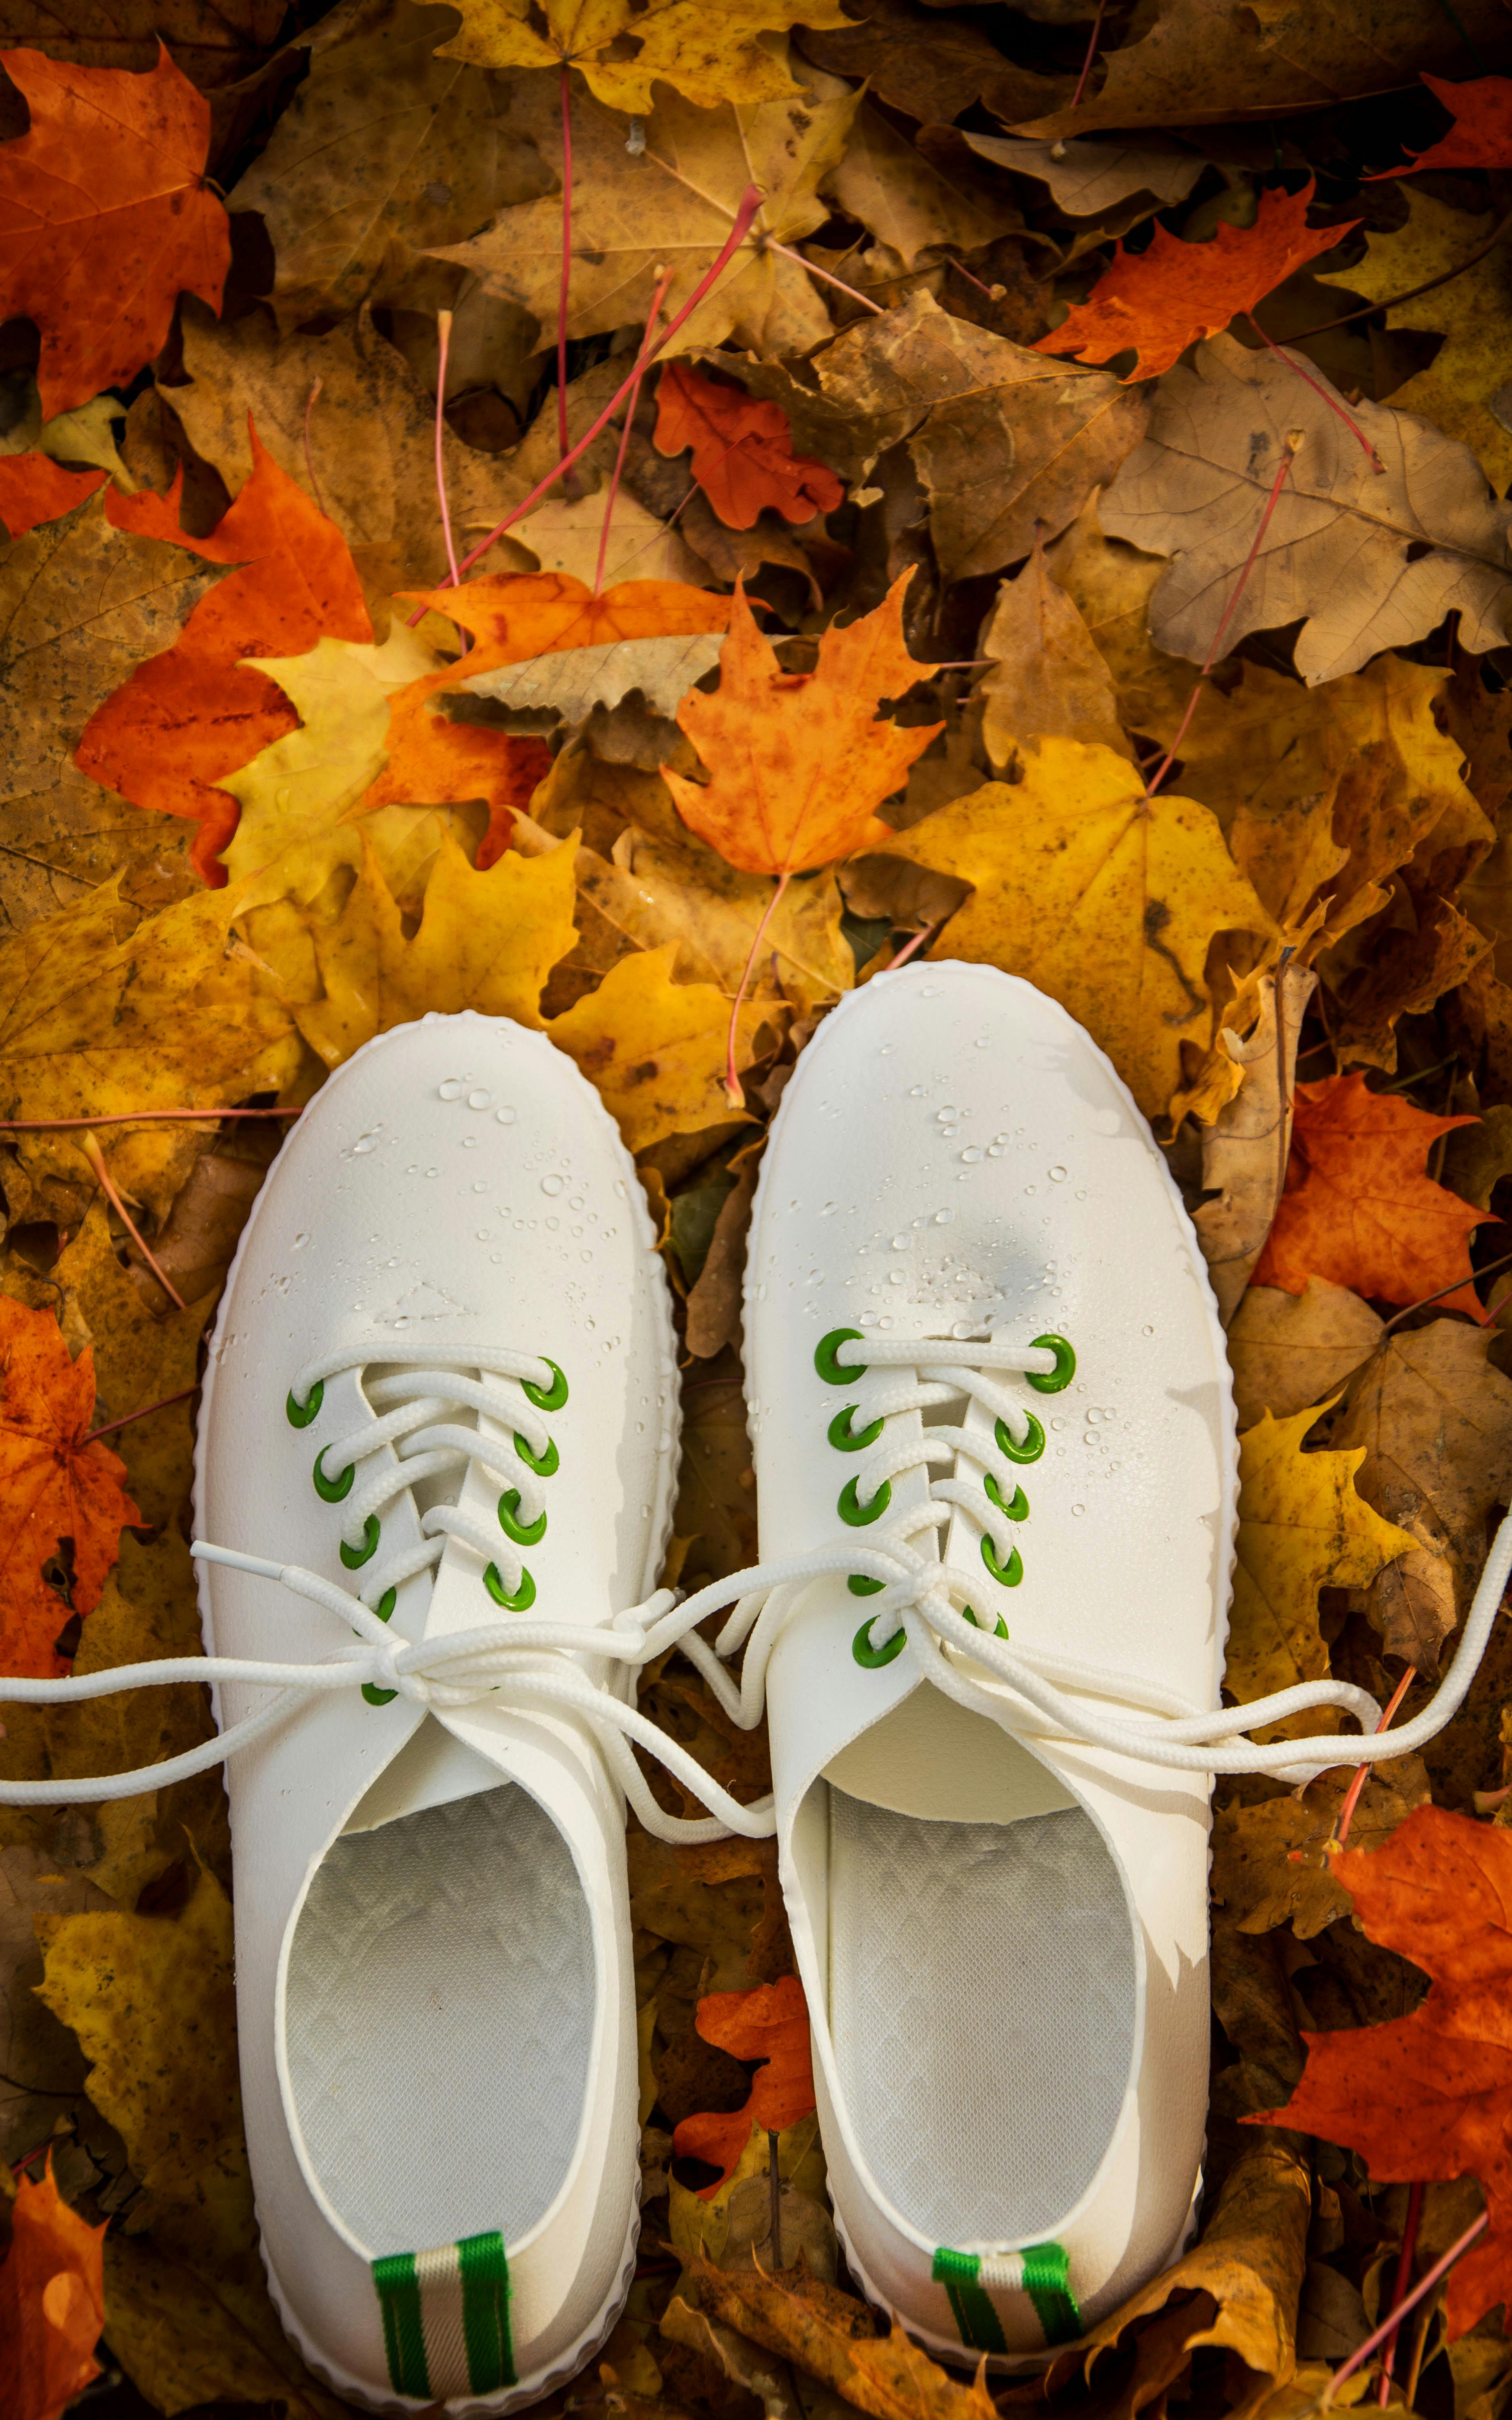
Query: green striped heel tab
pixel 446 2317
pixel 1041 2271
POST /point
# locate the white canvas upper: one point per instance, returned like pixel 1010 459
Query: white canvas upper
pixel 436 2001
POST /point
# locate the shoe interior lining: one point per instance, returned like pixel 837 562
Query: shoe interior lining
pixel 439 2017
pixel 983 1986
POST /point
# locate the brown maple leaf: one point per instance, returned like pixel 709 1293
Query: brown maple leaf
pixel 54 1484
pixel 1162 299
pixel 1357 1208
pixel 105 218
pixel 1430 2095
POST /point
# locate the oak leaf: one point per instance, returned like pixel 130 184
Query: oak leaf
pixel 105 217
pixel 1357 1207
pixel 1481 135
pixel 1105 899
pixel 743 456
pixel 1430 2094
pixel 1202 61
pixel 1434 1418
pixel 1302 1525
pixel 1163 299
pixel 707 55
pixel 51 2302
pixel 1363 561
pixel 55 1484
pixel 800 762
pixel 1005 443
pixel 655 1049
pixel 674 203
pixel 185 718
pixel 1458 390
pixel 770 2024
pixel 1288 1350
pixel 34 490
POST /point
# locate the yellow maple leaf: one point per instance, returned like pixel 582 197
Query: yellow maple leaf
pixel 102 1009
pixel 708 54
pixel 655 1049
pixel 486 941
pixel 1302 1527
pixel 1105 899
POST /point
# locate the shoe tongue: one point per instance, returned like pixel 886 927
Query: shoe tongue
pixel 430 1770
pixel 934 1758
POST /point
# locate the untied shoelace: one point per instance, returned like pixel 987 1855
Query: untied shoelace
pixel 525 1661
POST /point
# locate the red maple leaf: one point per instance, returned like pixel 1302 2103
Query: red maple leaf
pixel 197 712
pixel 771 2024
pixel 1358 1209
pixel 743 456
pixel 1430 2095
pixel 105 218
pixel 1481 135
pixel 34 490
pixel 54 1485
pixel 1160 301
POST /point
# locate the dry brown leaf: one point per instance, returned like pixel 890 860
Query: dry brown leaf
pixel 714 1303
pixel 564 688
pixel 830 2335
pixel 1290 1350
pixel 929 67
pixel 1001 449
pixel 1089 181
pixel 1362 562
pixel 909 203
pixel 1244 1150
pixel 1047 680
pixel 1271 1862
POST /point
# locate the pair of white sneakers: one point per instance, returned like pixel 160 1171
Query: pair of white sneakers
pixel 996 1477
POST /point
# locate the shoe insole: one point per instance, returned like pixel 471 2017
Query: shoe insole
pixel 439 2015
pixel 981 1996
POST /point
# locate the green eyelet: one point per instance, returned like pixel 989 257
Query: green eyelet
pixel 1001 1631
pixel 355 1556
pixel 842 1437
pixel 550 1462
pixel 859 1514
pixel 332 1490
pixel 300 1414
pixel 384 1609
pixel 1006 1574
pixel 549 1399
pixel 860 1586
pixel 518 1532
pixel 1016 1510
pixel 1032 1447
pixel 524 1595
pixel 875 1657
pixel 826 1364
pixel 1064 1371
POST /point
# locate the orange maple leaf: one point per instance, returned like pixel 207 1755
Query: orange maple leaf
pixel 54 1485
pixel 1357 1208
pixel 195 712
pixel 771 2024
pixel 1481 135
pixel 52 2303
pixel 1430 2095
pixel 34 490
pixel 800 762
pixel 105 218
pixel 743 456
pixel 513 615
pixel 1162 300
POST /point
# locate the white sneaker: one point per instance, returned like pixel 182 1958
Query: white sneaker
pixel 443 1376
pixel 996 1477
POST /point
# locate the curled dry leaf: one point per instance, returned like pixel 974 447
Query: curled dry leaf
pixel 105 218
pixel 828 2334
pixel 1429 2094
pixel 1163 299
pixel 1103 898
pixel 1244 1150
pixel 1372 561
pixel 1357 1207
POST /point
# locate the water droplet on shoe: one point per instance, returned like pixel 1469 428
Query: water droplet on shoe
pixel 1057 1176
pixel 931 991
pixel 944 1115
pixel 450 1089
pixel 482 1234
pixel 553 1186
pixel 971 1156
pixel 1031 1188
pixel 505 1117
pixel 432 1172
pixel 914 1090
pixel 995 1151
pixel 886 1050
pixel 829 1209
pixel 1077 1509
pixel 365 1144
pixel 470 1142
pixel 299 1241
pixel 1147 1331
pixel 896 1276
pixel 943 1218
pixel 900 1243
pixel 480 1100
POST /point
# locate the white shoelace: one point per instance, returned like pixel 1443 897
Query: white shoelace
pixel 528 1663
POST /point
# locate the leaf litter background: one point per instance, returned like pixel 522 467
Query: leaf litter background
pixel 873 629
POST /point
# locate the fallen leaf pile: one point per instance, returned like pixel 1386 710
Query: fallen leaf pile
pixel 1037 493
